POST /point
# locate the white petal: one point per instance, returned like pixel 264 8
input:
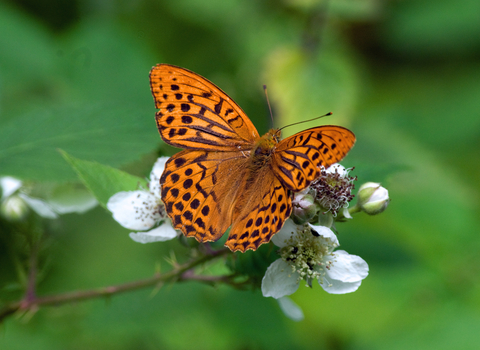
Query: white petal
pixel 155 175
pixel 136 210
pixel 71 199
pixel 281 237
pixel 39 206
pixel 9 186
pixel 338 287
pixel 338 168
pixel 279 280
pixel 381 194
pixel 346 213
pixel 348 268
pixel 161 233
pixel 290 309
pixel 326 233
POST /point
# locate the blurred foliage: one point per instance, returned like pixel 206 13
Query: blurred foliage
pixel 403 75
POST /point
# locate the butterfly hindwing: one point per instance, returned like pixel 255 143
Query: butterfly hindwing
pixel 261 211
pixel 198 188
pixel 298 158
pixel 196 114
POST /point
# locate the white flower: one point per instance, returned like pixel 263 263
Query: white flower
pixel 16 200
pixel 307 252
pixel 143 210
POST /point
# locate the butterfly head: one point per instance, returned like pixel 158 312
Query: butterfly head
pixel 265 146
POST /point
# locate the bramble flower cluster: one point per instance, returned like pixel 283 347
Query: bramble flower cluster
pixel 307 244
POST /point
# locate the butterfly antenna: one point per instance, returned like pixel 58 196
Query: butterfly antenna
pixel 268 102
pixel 304 121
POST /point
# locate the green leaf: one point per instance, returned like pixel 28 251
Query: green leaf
pixel 102 180
pixel 112 135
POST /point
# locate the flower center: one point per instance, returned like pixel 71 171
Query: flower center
pixel 306 254
pixel 149 209
pixel 333 191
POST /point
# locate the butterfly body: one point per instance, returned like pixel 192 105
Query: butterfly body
pixel 262 151
pixel 227 175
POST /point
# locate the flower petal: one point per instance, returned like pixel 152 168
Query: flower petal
pixel 136 210
pixel 281 237
pixel 338 287
pixel 161 233
pixel 279 280
pixel 348 268
pixel 290 309
pixel 346 214
pixel 155 175
pixel 71 199
pixel 326 233
pixel 39 206
pixel 338 168
pixel 9 185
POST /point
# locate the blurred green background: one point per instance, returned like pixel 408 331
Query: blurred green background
pixel 403 75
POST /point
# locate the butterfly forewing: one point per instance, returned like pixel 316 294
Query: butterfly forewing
pixel 196 114
pixel 298 158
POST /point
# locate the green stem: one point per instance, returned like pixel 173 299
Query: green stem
pixel 355 209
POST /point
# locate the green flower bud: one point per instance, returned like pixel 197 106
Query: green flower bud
pixel 373 198
pixel 14 208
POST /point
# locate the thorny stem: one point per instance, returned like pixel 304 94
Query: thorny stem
pixel 32 302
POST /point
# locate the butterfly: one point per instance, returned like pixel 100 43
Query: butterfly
pixel 227 175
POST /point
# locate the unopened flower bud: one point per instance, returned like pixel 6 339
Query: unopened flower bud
pixel 14 208
pixel 373 198
pixel 304 208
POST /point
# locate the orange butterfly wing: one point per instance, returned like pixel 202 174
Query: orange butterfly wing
pixel 196 114
pixel 265 204
pixel 214 184
pixel 298 158
pixel 261 210
pixel 199 190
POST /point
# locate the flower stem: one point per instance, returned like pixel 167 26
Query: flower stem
pixel 355 209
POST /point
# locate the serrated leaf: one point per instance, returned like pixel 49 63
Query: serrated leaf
pixel 102 180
